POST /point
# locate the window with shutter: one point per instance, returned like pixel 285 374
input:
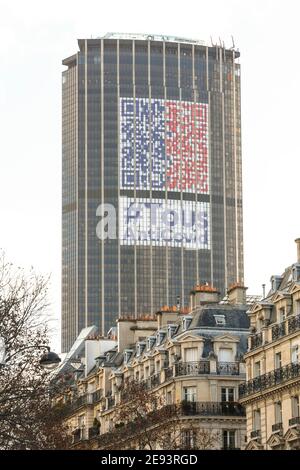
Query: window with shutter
pixel 278 413
pixel 256 420
pixel 295 353
pixel 191 355
pixel 295 406
pixel 227 394
pixel 225 355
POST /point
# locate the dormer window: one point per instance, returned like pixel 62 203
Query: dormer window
pixel 109 355
pixel 127 355
pixel 275 283
pixel 140 348
pixel 150 342
pixel 159 337
pixel 220 320
pixel 171 330
pixel 296 272
pixel 100 360
pixel 186 322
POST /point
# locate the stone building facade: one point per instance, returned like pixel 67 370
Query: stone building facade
pixel 193 359
pixel 271 393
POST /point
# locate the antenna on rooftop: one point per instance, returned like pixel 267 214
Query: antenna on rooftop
pixel 233 44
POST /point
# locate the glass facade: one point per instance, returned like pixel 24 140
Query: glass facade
pixel 153 128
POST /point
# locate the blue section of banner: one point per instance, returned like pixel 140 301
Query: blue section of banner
pixel 140 140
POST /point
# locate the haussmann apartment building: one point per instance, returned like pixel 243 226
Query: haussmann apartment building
pixel 272 390
pixel 193 359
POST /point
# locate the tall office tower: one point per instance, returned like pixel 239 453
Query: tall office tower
pixel 152 129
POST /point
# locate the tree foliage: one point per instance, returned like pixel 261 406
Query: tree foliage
pixel 143 420
pixel 27 420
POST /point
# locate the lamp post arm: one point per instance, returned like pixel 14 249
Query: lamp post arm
pixel 7 359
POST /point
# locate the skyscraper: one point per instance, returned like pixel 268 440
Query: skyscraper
pixel 151 128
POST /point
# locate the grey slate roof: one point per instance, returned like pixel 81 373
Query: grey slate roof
pixel 203 324
pixel 235 317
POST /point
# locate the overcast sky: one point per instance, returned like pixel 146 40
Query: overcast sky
pixel 36 35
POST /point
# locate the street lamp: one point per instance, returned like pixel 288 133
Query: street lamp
pixel 49 360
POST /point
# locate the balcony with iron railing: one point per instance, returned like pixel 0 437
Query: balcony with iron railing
pixel 80 401
pixel 270 379
pixel 97 395
pixel 277 427
pixel 155 380
pixel 256 341
pixel 255 434
pixel 152 381
pixel 78 435
pixel 180 411
pixel 94 431
pixel 192 368
pixel 168 373
pixel 228 368
pixel 227 408
pixel 278 331
pixel 207 367
pixel 294 421
pixel 110 403
pixel 275 332
pixel 294 324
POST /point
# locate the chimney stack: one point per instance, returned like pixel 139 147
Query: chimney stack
pixel 202 295
pixel 237 294
pixel 167 315
pixel 298 249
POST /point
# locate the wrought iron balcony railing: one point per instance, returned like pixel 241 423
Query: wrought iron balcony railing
pixel 212 409
pixel 78 435
pixel 294 421
pixel 152 381
pixel 270 379
pixel 110 402
pixel 294 324
pixel 83 400
pixel 168 373
pixel 192 368
pixel 228 368
pixel 94 431
pixel 255 434
pixel 256 341
pixel 155 380
pixel 277 427
pixel 278 331
pixel 97 395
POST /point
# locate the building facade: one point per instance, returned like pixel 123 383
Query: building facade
pixel 192 361
pixel 151 129
pixel 271 393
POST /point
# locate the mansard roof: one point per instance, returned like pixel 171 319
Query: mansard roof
pixel 236 317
